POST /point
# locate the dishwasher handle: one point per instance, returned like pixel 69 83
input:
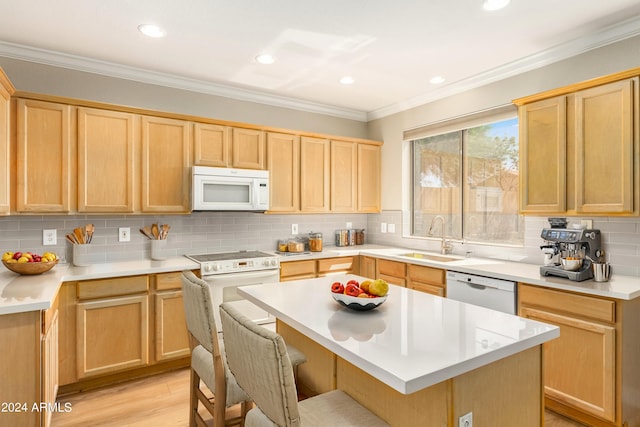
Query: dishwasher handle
pixel 480 282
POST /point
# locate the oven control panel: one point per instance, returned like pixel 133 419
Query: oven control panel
pixel 233 266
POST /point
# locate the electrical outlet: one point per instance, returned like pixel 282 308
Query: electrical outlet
pixel 587 223
pixel 383 227
pixel 349 225
pixel 124 234
pixel 391 228
pixel 49 237
pixel 294 229
pixel 466 420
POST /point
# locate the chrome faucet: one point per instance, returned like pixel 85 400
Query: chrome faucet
pixel 445 246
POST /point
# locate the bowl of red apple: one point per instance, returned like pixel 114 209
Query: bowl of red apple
pixel 360 296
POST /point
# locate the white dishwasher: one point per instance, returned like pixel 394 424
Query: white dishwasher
pixel 496 294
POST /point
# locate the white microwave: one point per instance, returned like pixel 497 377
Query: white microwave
pixel 227 189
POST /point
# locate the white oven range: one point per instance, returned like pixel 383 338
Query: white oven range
pixel 226 271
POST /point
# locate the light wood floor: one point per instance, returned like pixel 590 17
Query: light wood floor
pixel 158 401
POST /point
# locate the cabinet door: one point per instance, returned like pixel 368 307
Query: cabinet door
pixel 43 156
pixel 329 266
pixel 543 156
pixel 6 90
pixel 369 170
pixel 294 270
pixel 605 143
pixel 172 339
pixel 314 174
pixel 248 149
pixel 344 176
pixel 283 160
pixel 211 145
pixel 426 279
pixel 165 165
pixel 112 335
pixel 107 142
pixel 50 367
pixel 368 267
pixel 579 367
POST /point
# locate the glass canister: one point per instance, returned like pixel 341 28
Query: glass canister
pixel 315 242
pixel 360 236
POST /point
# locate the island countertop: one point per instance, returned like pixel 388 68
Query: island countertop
pixel 412 341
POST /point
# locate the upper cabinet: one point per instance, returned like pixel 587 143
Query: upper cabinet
pixel 579 149
pixel 344 176
pixel 369 178
pixel 166 165
pixel 211 144
pixel 108 143
pixel 283 161
pixel 314 174
pixel 248 149
pixel 43 153
pixel 6 90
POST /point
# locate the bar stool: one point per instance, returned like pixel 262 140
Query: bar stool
pixel 261 365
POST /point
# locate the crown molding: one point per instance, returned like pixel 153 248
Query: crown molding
pixel 612 34
pixel 58 59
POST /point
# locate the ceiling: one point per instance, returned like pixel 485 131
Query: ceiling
pixel 390 48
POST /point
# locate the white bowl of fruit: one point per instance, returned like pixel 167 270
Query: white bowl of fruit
pixel 360 296
pixel 28 263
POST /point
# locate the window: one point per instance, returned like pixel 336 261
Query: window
pixel 470 178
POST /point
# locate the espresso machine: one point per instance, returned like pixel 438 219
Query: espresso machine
pixel 571 244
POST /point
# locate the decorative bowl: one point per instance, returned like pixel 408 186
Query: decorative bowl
pixel 30 268
pixel 571 264
pixel 357 303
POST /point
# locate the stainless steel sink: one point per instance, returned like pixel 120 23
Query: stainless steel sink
pixel 429 257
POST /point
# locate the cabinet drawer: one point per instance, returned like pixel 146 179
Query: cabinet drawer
pixel 297 268
pixel 112 287
pixel 427 288
pixel 581 305
pixel 392 268
pixel 420 273
pixel 165 281
pixel 392 280
pixel 330 265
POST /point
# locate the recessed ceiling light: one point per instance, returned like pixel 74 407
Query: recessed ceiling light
pixel 347 80
pixel 436 80
pixel 265 59
pixel 494 4
pixel 151 30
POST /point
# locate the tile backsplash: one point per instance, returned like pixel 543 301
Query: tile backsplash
pixel 225 231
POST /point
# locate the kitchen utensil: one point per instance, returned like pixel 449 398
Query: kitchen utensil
pixel 154 231
pixel 601 271
pixel 79 233
pixel 147 232
pixel 164 230
pixel 89 228
pixel 72 239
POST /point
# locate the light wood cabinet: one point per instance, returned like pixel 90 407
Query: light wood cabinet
pixel 107 145
pixel 50 361
pixel 314 174
pixel 367 266
pixel 112 334
pixel 43 166
pixel 283 163
pixel 579 149
pixel 605 146
pixel 394 272
pixel 295 270
pixel 211 144
pixel 345 265
pixel 171 336
pixel 311 268
pixel 543 156
pixel 166 148
pixel 586 370
pixel 6 90
pixel 426 279
pixel 369 178
pixel 248 149
pixel 344 176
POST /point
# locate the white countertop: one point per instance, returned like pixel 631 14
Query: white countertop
pixel 412 341
pixel 28 293
pixel 618 287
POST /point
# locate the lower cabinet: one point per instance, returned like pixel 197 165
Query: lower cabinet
pixel 584 369
pixel 113 327
pixel 49 368
pixel 394 272
pixel 112 334
pixel 426 279
pixel 367 266
pixel 310 268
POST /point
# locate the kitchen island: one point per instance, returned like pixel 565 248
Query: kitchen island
pixel 418 359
